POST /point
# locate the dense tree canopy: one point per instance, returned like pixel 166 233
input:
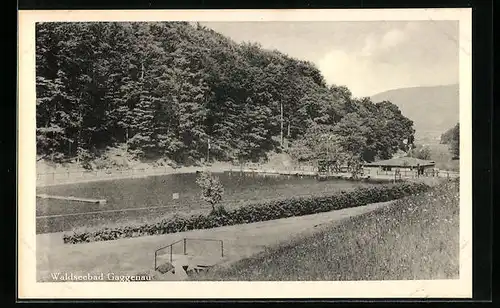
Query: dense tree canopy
pixel 165 89
pixel 446 136
pixel 452 138
pixel 421 152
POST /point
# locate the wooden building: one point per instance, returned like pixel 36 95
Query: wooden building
pixel 400 164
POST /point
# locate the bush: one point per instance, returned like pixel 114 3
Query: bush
pixel 269 210
pixel 165 268
pixel 211 188
pixel 421 152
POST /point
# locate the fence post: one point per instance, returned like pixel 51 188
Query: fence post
pixel 222 248
pixel 184 246
pixel 155 259
pixel 53 176
pixel 171 253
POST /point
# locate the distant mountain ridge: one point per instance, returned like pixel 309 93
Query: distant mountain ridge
pixel 433 109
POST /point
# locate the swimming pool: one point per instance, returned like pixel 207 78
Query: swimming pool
pixel 149 197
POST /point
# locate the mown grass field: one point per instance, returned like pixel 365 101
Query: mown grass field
pixel 413 238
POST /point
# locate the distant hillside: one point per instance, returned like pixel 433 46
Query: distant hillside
pixel 433 109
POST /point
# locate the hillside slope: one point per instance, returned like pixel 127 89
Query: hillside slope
pixel 181 92
pixel 432 109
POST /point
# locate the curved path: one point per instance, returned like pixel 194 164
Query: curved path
pixel 134 255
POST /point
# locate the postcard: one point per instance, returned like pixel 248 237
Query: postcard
pixel 245 154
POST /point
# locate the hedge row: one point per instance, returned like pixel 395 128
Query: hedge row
pixel 269 210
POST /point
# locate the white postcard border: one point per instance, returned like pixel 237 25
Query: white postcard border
pixel 29 288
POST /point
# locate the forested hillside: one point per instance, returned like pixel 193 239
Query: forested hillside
pixel 452 138
pixel 166 89
pixel 433 109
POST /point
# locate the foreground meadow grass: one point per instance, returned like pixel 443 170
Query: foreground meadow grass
pixel 413 238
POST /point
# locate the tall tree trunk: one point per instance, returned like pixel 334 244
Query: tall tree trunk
pixel 281 131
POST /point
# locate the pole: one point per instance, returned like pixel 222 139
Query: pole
pixel 208 151
pixel 126 139
pixel 281 134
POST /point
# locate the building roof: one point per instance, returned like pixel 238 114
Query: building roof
pixel 401 162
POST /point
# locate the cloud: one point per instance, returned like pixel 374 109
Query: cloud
pixel 389 39
pixel 393 38
pixel 360 71
pixel 363 76
pixel 367 57
pixel 395 57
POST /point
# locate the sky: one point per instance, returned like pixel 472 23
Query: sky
pixel 367 57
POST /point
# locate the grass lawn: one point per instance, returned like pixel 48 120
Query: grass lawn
pixel 413 238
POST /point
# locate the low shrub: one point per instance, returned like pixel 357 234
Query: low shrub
pixel 269 210
pixel 165 268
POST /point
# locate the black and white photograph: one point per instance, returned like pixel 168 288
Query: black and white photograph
pixel 238 149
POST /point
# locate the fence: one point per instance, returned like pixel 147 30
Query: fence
pixel 413 173
pixel 184 242
pixel 259 167
pixel 82 175
pixel 78 175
